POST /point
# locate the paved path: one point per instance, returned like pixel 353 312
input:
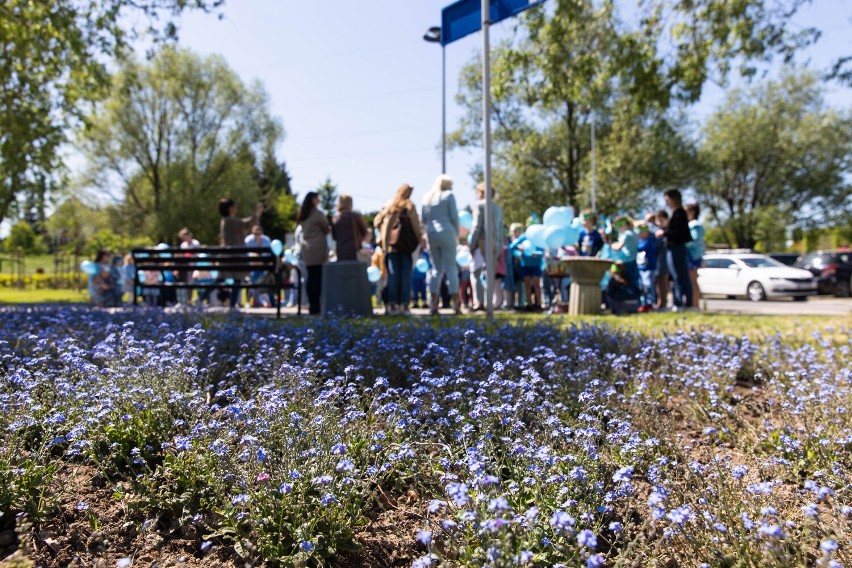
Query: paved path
pixel 814 306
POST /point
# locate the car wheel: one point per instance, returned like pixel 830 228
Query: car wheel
pixel 844 289
pixel 755 292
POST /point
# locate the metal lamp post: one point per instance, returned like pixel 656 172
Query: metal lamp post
pixel 433 35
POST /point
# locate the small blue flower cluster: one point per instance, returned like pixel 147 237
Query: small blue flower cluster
pixel 527 445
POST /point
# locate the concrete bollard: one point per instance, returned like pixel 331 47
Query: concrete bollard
pixel 345 289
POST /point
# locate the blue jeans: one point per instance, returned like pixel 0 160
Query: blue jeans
pixel 679 270
pixel 399 278
pixel 649 290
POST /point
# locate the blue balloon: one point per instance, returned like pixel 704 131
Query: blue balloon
pixel 554 237
pixel 89 267
pixel 558 216
pixel 572 234
pixel 290 256
pixel 535 235
pixel 164 246
pixel 214 274
pixel 277 247
pixel 463 257
pixel 577 223
pixel 422 265
pixel 465 219
pixel 373 274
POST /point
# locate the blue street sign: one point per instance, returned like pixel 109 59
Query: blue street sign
pixel 465 16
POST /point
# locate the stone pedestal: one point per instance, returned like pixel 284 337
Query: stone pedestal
pixel 586 275
pixel 345 289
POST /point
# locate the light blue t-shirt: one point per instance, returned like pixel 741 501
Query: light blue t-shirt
pixel 695 247
pixel 629 246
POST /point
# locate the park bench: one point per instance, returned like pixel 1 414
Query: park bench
pixel 224 260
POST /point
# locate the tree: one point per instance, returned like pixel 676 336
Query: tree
pixel 583 60
pixel 54 62
pixel 73 222
pixel 22 237
pixel 279 218
pixel 178 133
pixel 776 149
pixel 327 192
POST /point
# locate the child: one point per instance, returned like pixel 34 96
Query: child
pixel 590 241
pixel 530 269
pixel 622 296
pixel 378 260
pixel 647 262
pixel 418 284
pixel 694 248
pixel 628 246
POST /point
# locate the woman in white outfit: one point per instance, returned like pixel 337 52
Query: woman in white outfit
pixel 440 219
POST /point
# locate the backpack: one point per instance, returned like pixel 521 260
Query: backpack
pixel 402 235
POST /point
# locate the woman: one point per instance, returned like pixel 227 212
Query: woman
pixel 314 247
pixel 348 229
pixel 232 233
pixel 400 234
pixel 441 221
pixel 677 235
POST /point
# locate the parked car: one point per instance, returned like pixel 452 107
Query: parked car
pixel 832 268
pixel 755 276
pixel 785 258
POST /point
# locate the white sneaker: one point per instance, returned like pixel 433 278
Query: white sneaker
pixel 391 310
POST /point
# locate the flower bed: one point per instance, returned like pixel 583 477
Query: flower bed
pixel 359 443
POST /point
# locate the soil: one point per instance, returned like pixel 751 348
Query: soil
pixel 103 534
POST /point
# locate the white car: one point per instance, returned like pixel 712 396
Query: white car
pixel 754 275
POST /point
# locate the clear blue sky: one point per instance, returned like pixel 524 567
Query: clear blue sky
pixel 359 91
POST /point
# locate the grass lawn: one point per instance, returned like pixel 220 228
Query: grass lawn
pixel 15 296
pixel 33 263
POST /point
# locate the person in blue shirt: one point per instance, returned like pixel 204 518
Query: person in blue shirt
pixel 530 270
pixel 418 283
pixel 260 297
pixel 628 247
pixel 590 242
pixel 621 295
pixel 694 248
pixel 647 262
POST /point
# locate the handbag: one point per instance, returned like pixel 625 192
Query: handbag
pixel 361 255
pixel 402 236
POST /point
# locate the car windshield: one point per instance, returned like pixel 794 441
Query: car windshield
pixel 760 262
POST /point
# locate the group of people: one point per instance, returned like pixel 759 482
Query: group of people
pixel 654 252
pixel 451 257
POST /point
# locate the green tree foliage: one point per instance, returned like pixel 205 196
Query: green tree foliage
pixel 279 217
pixel 72 224
pixel 584 59
pixel 22 237
pixel 179 132
pixel 327 192
pixel 53 62
pixel 775 152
